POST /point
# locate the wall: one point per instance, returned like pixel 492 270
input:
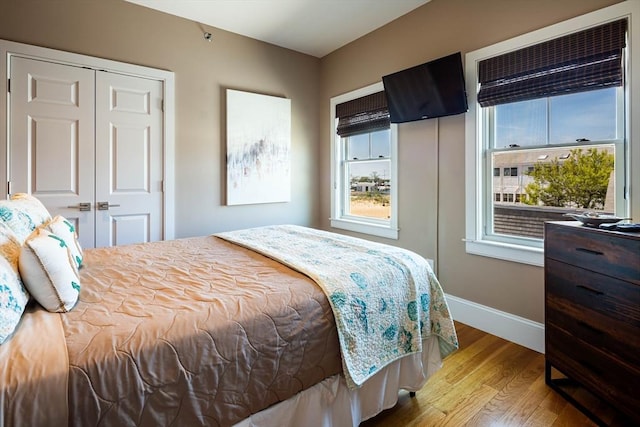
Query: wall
pixel 431 152
pixel 122 31
pixel 431 175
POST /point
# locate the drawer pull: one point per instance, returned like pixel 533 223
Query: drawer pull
pixel 590 289
pixel 591 328
pixel 593 368
pixel 589 251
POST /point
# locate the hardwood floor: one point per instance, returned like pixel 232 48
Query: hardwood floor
pixel 490 382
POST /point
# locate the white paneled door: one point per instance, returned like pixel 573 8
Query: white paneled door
pixel 128 159
pixel 89 145
pixel 51 148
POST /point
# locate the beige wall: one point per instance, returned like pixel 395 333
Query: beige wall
pixel 121 31
pixel 432 176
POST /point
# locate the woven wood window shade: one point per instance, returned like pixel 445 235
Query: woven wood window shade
pixel 581 61
pixel 366 114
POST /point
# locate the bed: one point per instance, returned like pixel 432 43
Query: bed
pixel 224 330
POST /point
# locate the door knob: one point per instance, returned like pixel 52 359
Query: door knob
pixel 104 206
pixel 82 207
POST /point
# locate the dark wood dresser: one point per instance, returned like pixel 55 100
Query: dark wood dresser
pixel 592 313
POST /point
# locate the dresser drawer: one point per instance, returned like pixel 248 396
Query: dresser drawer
pixel 604 252
pixel 613 337
pixel 617 299
pixel 615 382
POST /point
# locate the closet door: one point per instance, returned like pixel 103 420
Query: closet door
pixel 51 140
pixel 129 159
pixel 89 145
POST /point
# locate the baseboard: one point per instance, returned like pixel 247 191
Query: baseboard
pixel 499 323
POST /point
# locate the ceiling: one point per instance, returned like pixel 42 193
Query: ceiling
pixel 314 27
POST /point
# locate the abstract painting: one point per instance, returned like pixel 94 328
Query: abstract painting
pixel 258 148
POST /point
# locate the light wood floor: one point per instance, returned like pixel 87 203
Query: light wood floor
pixel 490 382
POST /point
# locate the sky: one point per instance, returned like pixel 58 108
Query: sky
pixel 365 169
pixel 589 115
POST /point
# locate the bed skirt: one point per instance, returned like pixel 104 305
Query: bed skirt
pixel 331 403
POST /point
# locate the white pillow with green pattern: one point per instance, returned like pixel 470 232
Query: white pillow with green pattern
pixel 62 228
pixel 49 272
pixel 13 295
pixel 23 214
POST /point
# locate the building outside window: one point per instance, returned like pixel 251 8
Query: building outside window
pixel 364 170
pixel 552 120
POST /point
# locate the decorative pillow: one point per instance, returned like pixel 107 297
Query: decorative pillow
pixel 13 296
pixel 23 213
pixel 49 271
pixel 67 232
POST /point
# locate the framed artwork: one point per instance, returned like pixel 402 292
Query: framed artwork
pixel 258 148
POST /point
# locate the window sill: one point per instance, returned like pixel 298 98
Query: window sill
pixel 361 227
pixel 506 251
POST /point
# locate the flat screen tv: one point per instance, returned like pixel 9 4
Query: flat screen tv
pixel 433 89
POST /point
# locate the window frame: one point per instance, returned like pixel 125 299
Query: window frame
pixel 478 176
pixel 359 224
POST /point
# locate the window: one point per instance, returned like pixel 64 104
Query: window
pixel 543 122
pixel 364 152
pixel 510 172
pixel 548 130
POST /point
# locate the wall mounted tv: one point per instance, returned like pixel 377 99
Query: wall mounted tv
pixel 432 89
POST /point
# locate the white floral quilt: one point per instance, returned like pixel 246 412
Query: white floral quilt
pixel 385 299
